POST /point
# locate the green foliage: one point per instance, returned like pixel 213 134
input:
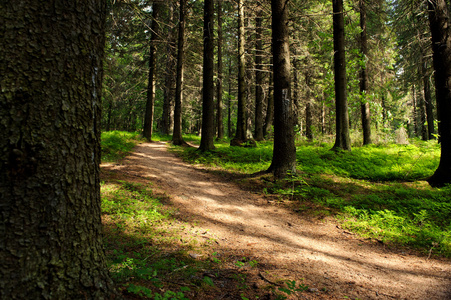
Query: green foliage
pixel 373 189
pixel 291 289
pixel 117 144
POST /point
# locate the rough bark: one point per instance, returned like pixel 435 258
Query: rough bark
pixel 208 107
pixel 219 86
pixel 342 139
pixel 259 75
pixel 284 153
pixel 169 86
pixel 269 119
pixel 365 105
pixel 427 99
pixel 148 117
pixel 177 138
pixel 51 78
pixel 441 46
pixel 241 124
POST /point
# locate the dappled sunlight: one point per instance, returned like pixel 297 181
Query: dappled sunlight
pixel 246 222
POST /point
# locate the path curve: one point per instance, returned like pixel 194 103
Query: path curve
pixel 325 255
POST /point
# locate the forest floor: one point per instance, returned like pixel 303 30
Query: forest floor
pixel 277 244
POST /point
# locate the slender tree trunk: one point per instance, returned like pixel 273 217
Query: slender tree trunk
pixel 284 153
pixel 208 105
pixel 166 126
pixel 177 138
pixel 259 75
pixel 428 100
pixel 342 139
pixel 416 129
pixel 219 88
pixel 441 46
pixel 51 83
pixel 229 102
pixel 241 124
pixel 308 108
pixel 365 105
pixel 148 117
pixel 269 119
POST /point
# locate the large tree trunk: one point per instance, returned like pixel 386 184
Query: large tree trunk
pixel 169 88
pixel 365 105
pixel 177 138
pixel 208 106
pixel 148 117
pixel 342 139
pixel 284 153
pixel 259 75
pixel 241 124
pixel 219 87
pixel 441 47
pixel 51 82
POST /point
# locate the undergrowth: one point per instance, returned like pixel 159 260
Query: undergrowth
pixel 117 144
pixel 377 191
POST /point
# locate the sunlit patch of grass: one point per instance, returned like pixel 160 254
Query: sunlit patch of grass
pixel 117 144
pixel 373 190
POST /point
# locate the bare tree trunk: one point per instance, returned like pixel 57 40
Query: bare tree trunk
pixel 284 153
pixel 148 117
pixel 269 120
pixel 51 83
pixel 167 117
pixel 259 76
pixel 241 125
pixel 308 108
pixel 177 138
pixel 342 139
pixel 219 87
pixel 441 45
pixel 428 100
pixel 365 105
pixel 208 105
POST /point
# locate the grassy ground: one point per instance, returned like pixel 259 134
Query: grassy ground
pixel 154 253
pixel 375 191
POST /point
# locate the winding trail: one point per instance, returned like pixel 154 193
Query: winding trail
pixel 319 251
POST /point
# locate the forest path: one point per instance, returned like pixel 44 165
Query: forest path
pixel 325 256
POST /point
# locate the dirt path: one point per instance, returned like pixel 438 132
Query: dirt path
pixel 327 257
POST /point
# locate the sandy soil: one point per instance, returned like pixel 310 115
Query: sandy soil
pixel 334 263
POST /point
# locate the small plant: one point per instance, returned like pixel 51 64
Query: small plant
pixel 291 289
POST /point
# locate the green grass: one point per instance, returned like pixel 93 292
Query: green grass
pixel 117 144
pixel 376 191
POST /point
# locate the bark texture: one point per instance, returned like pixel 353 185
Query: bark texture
pixel 50 228
pixel 342 139
pixel 177 138
pixel 259 75
pixel 441 47
pixel 365 105
pixel 219 87
pixel 241 124
pixel 208 106
pixel 284 153
pixel 148 117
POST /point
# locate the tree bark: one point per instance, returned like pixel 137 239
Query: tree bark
pixel 441 46
pixel 259 75
pixel 208 107
pixel 241 124
pixel 308 108
pixel 219 87
pixel 51 82
pixel 284 153
pixel 169 88
pixel 269 119
pixel 427 99
pixel 177 138
pixel 365 105
pixel 342 140
pixel 148 117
